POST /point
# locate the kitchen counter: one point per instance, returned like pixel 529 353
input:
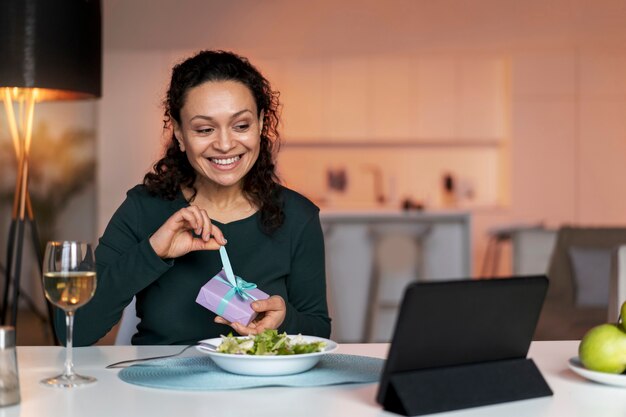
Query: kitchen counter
pixel 331 215
pixel 359 242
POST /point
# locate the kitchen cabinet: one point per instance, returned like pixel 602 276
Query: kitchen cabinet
pixel 426 99
pixel 350 255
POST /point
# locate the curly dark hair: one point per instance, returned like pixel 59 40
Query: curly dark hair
pixel 173 171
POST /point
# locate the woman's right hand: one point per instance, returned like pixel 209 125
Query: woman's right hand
pixel 176 236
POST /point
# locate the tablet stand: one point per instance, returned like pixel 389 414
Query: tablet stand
pixel 434 390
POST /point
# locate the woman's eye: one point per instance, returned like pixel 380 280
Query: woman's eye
pixel 205 130
pixel 242 127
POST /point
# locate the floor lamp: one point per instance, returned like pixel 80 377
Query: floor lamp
pixel 49 50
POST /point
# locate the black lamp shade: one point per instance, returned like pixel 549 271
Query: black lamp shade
pixel 52 45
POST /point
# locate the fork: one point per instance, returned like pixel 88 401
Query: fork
pixel 129 362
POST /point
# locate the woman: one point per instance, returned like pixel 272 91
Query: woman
pixel 216 185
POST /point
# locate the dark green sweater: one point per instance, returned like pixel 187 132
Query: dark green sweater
pixel 289 263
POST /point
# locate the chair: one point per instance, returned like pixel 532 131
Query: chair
pixel 617 289
pixel 128 324
pixel 498 236
pixel 398 258
pixel 531 249
pixel 580 276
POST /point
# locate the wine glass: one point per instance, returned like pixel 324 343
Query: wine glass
pixel 69 280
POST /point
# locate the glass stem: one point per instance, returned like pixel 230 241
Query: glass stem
pixel 69 328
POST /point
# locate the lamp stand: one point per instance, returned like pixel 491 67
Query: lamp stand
pixel 21 129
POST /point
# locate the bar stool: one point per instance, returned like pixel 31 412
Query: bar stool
pixel 385 258
pixel 497 237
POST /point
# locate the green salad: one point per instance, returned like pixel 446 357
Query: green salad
pixel 269 343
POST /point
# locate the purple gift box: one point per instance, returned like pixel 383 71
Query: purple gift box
pixel 222 298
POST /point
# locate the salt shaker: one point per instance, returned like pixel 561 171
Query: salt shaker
pixel 9 381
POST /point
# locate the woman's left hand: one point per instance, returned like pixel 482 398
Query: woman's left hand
pixel 271 311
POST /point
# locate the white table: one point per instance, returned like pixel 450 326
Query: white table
pixel 573 396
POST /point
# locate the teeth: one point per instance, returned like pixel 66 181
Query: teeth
pixel 226 161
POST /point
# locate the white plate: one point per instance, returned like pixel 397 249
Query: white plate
pixel 267 365
pixel 618 380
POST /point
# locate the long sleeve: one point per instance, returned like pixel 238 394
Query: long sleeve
pixel 307 310
pixel 289 263
pixel 125 264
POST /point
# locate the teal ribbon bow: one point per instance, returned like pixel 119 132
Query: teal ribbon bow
pixel 240 288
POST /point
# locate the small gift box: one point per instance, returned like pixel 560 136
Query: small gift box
pixel 230 296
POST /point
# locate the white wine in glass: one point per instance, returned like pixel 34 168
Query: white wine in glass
pixel 69 280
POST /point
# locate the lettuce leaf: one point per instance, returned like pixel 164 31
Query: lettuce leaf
pixel 270 342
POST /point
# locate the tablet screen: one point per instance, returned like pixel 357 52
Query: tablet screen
pixel 448 323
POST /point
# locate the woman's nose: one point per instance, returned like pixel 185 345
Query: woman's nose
pixel 224 142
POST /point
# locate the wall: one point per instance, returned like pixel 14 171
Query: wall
pixel 129 125
pixel 568 134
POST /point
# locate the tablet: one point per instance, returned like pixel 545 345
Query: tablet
pixel 448 323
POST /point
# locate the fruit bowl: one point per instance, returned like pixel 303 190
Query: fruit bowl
pixel 618 380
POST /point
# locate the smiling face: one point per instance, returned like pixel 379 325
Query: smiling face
pixel 220 132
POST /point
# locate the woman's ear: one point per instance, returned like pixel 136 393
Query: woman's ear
pixel 261 117
pixel 178 134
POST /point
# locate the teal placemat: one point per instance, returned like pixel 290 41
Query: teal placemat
pixel 201 374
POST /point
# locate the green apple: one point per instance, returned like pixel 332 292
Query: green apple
pixel 603 349
pixel 622 315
